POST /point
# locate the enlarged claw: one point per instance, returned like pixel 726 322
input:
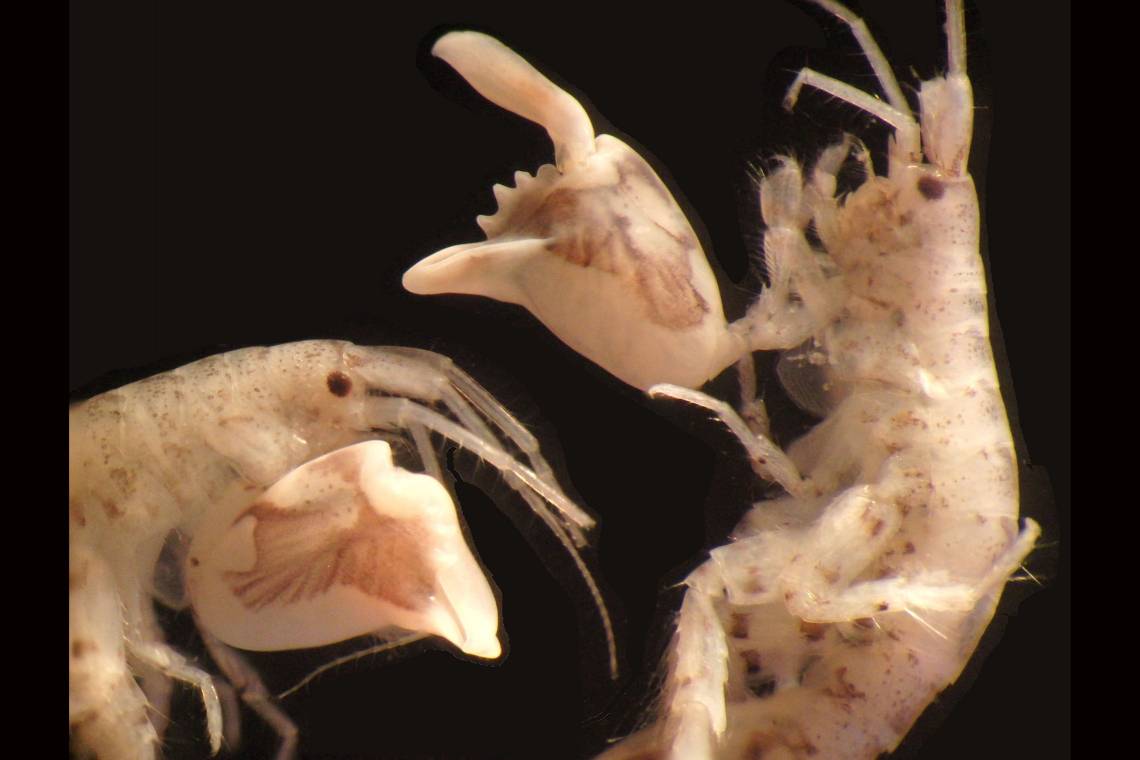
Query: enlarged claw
pixel 596 247
pixel 345 545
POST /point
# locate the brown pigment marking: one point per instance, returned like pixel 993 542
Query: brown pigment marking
pixel 908 548
pixel 82 648
pixel 75 508
pixel 339 384
pixel 599 238
pixel 112 509
pixel 739 629
pixel 846 690
pixel 299 557
pixel 864 622
pixel 123 479
pixel 808 664
pixel 931 188
pixel 194 562
pixel 876 527
pixel 761 687
pixel 813 631
pixel 752 661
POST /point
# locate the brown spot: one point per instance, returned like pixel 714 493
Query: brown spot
pixel 339 384
pixel 77 575
pixel 813 631
pixel 908 548
pixel 82 648
pixel 844 689
pixel 124 480
pixel 876 528
pixel 931 188
pixel 739 629
pixel 75 509
pixel 752 661
pixel 194 562
pixel 112 509
pixel 761 686
pixel 864 622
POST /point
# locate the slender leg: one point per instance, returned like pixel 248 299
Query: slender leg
pixel 799 300
pixel 768 460
pixel 752 408
pixel 171 663
pixel 695 710
pixel 871 52
pixel 253 692
pixel 427 453
pixel 231 714
pixel 902 122
pixel 107 711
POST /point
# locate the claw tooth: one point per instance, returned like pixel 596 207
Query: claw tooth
pixel 522 177
pixel 501 192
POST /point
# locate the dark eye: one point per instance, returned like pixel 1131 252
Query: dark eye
pixel 339 384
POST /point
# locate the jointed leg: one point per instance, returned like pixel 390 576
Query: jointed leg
pixel 872 53
pixel 768 460
pixel 895 112
pixel 253 692
pixel 695 710
pixel 107 711
pixel 169 662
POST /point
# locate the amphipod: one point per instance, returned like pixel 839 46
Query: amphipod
pixel 842 607
pixel 282 471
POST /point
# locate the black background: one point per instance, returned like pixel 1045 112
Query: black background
pixel 244 176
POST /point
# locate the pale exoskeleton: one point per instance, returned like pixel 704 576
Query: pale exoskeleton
pixel 841 610
pixel 296 164
pixel 259 488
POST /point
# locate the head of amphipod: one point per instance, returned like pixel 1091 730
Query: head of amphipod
pixel 594 246
pixel 346 545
